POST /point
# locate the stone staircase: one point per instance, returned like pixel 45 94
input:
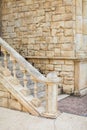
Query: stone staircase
pixel 37 93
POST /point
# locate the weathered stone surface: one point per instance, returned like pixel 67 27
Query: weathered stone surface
pixel 55 28
pixel 4 102
pixel 4 94
pixel 14 104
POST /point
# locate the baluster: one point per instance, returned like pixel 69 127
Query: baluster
pixel 24 77
pixel 35 100
pixel 25 90
pixel 5 57
pixel 6 71
pixel 14 80
pixel 35 89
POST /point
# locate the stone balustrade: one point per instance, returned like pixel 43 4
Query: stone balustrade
pixel 51 81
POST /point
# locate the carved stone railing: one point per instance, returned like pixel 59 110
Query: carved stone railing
pixel 51 81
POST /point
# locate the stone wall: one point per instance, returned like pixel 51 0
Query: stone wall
pixel 39 28
pixel 48 33
pixel 8 101
pixel 64 69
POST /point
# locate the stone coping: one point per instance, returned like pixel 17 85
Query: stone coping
pixel 57 58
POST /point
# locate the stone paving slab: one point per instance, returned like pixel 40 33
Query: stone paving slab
pixel 71 122
pixel 15 120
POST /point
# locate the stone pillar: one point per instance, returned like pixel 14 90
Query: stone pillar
pixel 52 95
pixel 77 77
pixel 85 24
pixel 79 27
pixel 80 77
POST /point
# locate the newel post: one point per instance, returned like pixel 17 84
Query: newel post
pixel 52 95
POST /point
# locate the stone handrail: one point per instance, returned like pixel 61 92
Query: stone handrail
pixel 34 72
pixel 50 81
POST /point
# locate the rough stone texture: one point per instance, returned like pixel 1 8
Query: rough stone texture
pixel 64 69
pixel 39 25
pixel 8 101
pixel 48 29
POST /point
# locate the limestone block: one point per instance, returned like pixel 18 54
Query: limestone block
pixel 85 26
pixel 38 32
pixel 67 2
pixel 79 8
pixel 82 75
pixel 57 51
pixel 49 40
pixel 49 53
pixel 2 88
pixel 67 67
pixel 68 9
pixel 54 31
pixel 69 62
pixel 60 10
pixel 68 24
pixel 31 40
pixel 43 46
pixel 42 53
pixel 55 40
pixel 10 29
pixel 47 4
pixel 68 80
pixel 48 16
pixel 57 67
pixel 57 3
pixel 39 19
pixel 57 17
pixel 68 32
pixel 57 62
pixel 79 41
pixel 57 24
pixel 29 2
pixel 79 22
pixel 67 53
pixel 67 47
pixel 3 102
pixel 85 9
pixel 40 12
pixel 66 73
pixel 67 16
pixel 14 104
pixel 50 67
pixel 68 89
pixel 4 94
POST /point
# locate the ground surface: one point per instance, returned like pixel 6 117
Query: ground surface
pixel 15 120
pixel 74 105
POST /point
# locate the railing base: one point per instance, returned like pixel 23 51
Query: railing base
pixel 36 102
pixel 25 92
pixel 51 115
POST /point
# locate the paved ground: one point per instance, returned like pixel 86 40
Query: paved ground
pixel 15 120
pixel 74 105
